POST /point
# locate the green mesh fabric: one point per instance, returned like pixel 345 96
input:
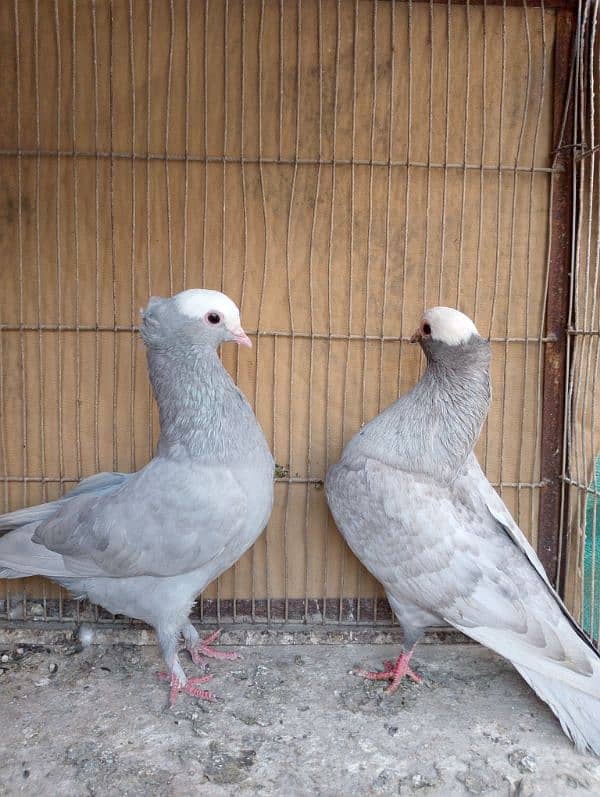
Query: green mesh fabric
pixel 591 558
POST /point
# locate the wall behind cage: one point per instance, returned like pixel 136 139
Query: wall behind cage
pixel 335 168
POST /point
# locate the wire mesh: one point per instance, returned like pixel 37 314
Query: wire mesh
pixel 335 167
pixel 581 529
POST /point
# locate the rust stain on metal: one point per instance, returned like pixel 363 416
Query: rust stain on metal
pixel 555 353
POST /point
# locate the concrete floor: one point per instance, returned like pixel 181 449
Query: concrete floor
pixel 290 720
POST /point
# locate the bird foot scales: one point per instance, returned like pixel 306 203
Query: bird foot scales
pixel 189 687
pixel 202 650
pixel 392 672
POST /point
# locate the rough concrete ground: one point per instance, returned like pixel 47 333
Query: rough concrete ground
pixel 291 720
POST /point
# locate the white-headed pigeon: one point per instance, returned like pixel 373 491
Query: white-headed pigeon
pixel 414 505
pixel 146 544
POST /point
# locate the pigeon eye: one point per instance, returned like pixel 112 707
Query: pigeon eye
pixel 426 329
pixel 213 318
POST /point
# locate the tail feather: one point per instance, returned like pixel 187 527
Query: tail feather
pixel 578 711
pixel 99 483
pixel 20 557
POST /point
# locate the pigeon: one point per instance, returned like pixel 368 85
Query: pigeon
pixel 412 502
pixel 146 544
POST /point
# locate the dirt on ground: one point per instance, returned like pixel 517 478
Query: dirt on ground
pixel 290 720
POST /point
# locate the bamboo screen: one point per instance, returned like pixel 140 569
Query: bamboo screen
pixel 335 167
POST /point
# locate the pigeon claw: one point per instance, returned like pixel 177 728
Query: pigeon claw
pixel 392 672
pixel 202 650
pixel 189 687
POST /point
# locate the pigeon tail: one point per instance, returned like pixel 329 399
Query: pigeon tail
pixel 578 712
pixel 20 557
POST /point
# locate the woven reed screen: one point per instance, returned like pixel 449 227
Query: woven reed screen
pixel 335 167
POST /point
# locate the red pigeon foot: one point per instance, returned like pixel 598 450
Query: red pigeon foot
pixel 392 672
pixel 189 687
pixel 202 649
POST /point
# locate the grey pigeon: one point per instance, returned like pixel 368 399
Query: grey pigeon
pixel 146 544
pixel 415 507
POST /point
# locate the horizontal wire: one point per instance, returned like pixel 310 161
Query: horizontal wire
pixel 580 486
pixel 260 334
pixel 220 159
pixel 316 480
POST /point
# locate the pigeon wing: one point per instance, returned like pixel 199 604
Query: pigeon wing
pixel 164 520
pixel 431 549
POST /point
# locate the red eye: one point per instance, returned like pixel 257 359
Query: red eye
pixel 426 329
pixel 213 318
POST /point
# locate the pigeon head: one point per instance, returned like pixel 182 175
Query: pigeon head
pixel 195 316
pixel 443 329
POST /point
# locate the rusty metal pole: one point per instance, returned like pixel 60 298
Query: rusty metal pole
pixel 557 310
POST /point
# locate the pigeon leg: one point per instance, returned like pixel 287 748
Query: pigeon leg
pixel 188 685
pixel 176 676
pixel 200 648
pixel 393 672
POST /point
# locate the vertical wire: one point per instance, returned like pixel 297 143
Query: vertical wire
pixel 481 179
pixel 61 450
pixel 407 192
pixel 20 259
pixel 38 254
pixel 167 126
pixel 594 598
pixel 369 259
pixel 589 391
pixel 465 155
pixel 387 229
pixel 113 243
pixel 308 462
pixel 281 75
pixel 76 239
pixel 206 8
pixel 329 305
pixel 264 274
pixel 97 246
pixel 290 308
pixel 351 280
pixel 429 160
pixel 515 177
pixel 132 338
pixel 224 221
pixel 585 320
pixel 245 259
pixel 534 473
pixel 205 221
pixel 446 144
pixel 21 285
pixel 569 430
pixel 148 204
pixel 97 256
pixel 575 357
pixel 186 173
pixel 498 232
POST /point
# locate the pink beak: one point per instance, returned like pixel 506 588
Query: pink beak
pixel 241 338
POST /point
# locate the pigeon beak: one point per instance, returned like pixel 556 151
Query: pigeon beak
pixel 241 338
pixel 416 336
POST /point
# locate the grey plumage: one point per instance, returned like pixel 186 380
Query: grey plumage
pixel 145 544
pixel 413 504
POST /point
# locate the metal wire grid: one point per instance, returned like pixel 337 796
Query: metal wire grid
pixel 367 167
pixel 580 531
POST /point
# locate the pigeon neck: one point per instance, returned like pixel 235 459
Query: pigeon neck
pixel 432 429
pixel 454 395
pixel 198 402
